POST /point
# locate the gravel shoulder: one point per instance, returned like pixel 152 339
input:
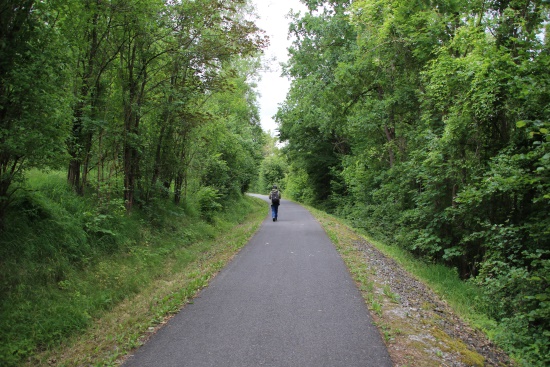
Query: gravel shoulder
pixel 418 326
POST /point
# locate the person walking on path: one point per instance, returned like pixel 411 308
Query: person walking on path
pixel 275 197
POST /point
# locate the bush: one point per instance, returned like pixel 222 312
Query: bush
pixel 208 199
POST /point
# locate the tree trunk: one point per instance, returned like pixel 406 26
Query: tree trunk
pixel 178 184
pixel 390 136
pixel 130 156
pixel 81 144
pixel 73 174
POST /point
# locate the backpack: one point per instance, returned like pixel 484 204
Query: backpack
pixel 275 197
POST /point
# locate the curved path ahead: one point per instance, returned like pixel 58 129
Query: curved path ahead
pixel 286 300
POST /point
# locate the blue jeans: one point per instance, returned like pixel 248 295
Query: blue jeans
pixel 274 211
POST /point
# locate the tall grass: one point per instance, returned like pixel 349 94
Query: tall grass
pixel 463 296
pixel 65 260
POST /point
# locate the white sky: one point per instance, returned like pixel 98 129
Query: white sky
pixel 272 86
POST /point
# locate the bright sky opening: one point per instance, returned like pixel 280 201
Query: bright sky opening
pixel 273 87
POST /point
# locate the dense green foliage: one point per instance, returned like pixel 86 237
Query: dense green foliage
pixel 130 96
pixel 273 168
pixel 149 107
pixel 427 124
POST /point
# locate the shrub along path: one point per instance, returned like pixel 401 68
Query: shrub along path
pixel 286 299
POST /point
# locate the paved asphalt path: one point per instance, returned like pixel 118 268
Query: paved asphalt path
pixel 286 300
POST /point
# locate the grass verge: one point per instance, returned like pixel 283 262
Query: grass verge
pixel 83 286
pixel 443 280
pixel 427 331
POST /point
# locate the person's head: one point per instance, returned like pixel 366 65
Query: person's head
pixel 274 187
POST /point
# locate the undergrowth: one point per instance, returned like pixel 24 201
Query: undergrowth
pixel 67 260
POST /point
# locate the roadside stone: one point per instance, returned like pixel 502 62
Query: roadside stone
pixel 432 330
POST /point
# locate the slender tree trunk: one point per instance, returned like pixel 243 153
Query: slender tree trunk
pixel 390 136
pixel 181 176
pixel 130 156
pixel 158 157
pixel 130 160
pixel 80 145
pixel 73 174
pixel 178 184
pixel 135 94
pixel 86 164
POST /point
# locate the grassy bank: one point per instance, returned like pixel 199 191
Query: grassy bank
pixel 400 333
pixel 83 284
pixel 443 280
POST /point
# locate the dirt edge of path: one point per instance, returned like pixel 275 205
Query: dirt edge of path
pixel 417 325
